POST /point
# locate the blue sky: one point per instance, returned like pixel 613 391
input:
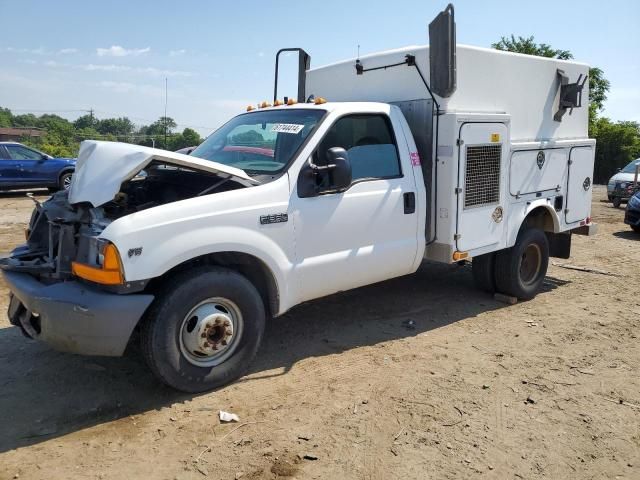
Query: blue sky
pixel 67 56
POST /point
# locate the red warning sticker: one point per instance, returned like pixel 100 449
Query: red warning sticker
pixel 415 159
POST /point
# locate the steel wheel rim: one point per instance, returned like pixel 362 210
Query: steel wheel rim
pixel 210 333
pixel 530 264
pixel 66 182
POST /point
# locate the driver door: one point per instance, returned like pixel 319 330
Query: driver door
pixel 367 233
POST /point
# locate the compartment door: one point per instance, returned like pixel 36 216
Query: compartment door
pixel 579 184
pixel 483 151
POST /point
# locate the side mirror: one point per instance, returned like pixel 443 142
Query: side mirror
pixel 335 175
pixel 339 168
pixel 44 157
pixel 618 170
pixel 442 53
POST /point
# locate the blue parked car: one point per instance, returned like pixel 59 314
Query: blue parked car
pixel 632 214
pixel 24 167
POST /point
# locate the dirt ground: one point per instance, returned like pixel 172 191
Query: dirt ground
pixel 418 377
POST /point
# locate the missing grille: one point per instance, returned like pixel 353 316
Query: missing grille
pixel 482 176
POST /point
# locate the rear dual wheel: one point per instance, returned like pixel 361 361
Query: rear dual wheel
pixel 518 271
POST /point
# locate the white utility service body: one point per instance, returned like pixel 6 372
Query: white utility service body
pixel 289 203
pixel 502 99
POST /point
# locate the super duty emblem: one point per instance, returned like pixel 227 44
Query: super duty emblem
pixel 274 218
pixel 135 251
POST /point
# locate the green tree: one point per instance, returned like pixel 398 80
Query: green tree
pixel 530 47
pixel 115 126
pixel 85 121
pixel 617 144
pixel 6 117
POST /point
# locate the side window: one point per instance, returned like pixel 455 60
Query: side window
pixel 369 141
pixel 4 155
pixel 16 152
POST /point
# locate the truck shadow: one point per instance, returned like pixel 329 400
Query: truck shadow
pixel 627 235
pixel 46 394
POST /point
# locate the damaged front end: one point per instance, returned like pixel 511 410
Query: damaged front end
pixel 61 292
pixel 56 233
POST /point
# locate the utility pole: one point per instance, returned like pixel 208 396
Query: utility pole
pixel 165 112
pixel 91 115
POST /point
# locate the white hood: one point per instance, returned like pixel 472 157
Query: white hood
pixel 103 166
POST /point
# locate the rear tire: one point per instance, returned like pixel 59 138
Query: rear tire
pixel 617 201
pixel 483 269
pixel 203 330
pixel 635 228
pixel 520 270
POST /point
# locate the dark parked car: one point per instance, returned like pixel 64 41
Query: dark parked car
pixel 24 167
pixel 632 214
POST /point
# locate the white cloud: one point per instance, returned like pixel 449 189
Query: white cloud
pixel 34 51
pixel 106 68
pixel 177 53
pixel 118 51
pixel 51 63
pixel 163 73
pixel 67 51
pixel 128 87
pixel 261 54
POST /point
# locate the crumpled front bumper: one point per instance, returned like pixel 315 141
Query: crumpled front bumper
pixel 73 317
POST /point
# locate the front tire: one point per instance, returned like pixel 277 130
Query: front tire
pixel 617 201
pixel 635 228
pixel 520 270
pixel 204 329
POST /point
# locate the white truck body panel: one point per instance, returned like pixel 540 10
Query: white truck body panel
pixel 488 81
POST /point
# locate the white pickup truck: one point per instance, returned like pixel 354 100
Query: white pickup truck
pixel 297 200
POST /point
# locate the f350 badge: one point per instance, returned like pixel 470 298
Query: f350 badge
pixel 135 251
pixel 274 218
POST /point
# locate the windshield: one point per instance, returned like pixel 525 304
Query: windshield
pixel 261 142
pixel 631 168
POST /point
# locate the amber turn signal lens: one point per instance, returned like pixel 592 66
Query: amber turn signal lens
pixel 110 273
pixel 460 255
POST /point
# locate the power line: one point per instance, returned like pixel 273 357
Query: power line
pixel 92 112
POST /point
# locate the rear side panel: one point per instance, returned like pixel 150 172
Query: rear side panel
pixel 483 154
pixel 533 171
pixel 579 186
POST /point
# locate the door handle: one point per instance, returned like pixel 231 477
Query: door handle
pixel 409 202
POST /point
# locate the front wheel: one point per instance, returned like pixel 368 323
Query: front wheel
pixel 204 329
pixel 520 270
pixel 617 201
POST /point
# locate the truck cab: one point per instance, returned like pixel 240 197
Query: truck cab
pixel 297 199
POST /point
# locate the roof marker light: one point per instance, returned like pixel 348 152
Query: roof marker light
pixel 277 103
pixel 292 101
pixel 250 107
pixel 265 105
pixel 319 101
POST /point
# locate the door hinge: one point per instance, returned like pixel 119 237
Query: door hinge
pixel 457 236
pixel 457 190
pixel 459 142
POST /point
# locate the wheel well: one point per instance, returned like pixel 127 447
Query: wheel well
pixel 540 218
pixel 251 267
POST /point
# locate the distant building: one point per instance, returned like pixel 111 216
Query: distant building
pixel 16 133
